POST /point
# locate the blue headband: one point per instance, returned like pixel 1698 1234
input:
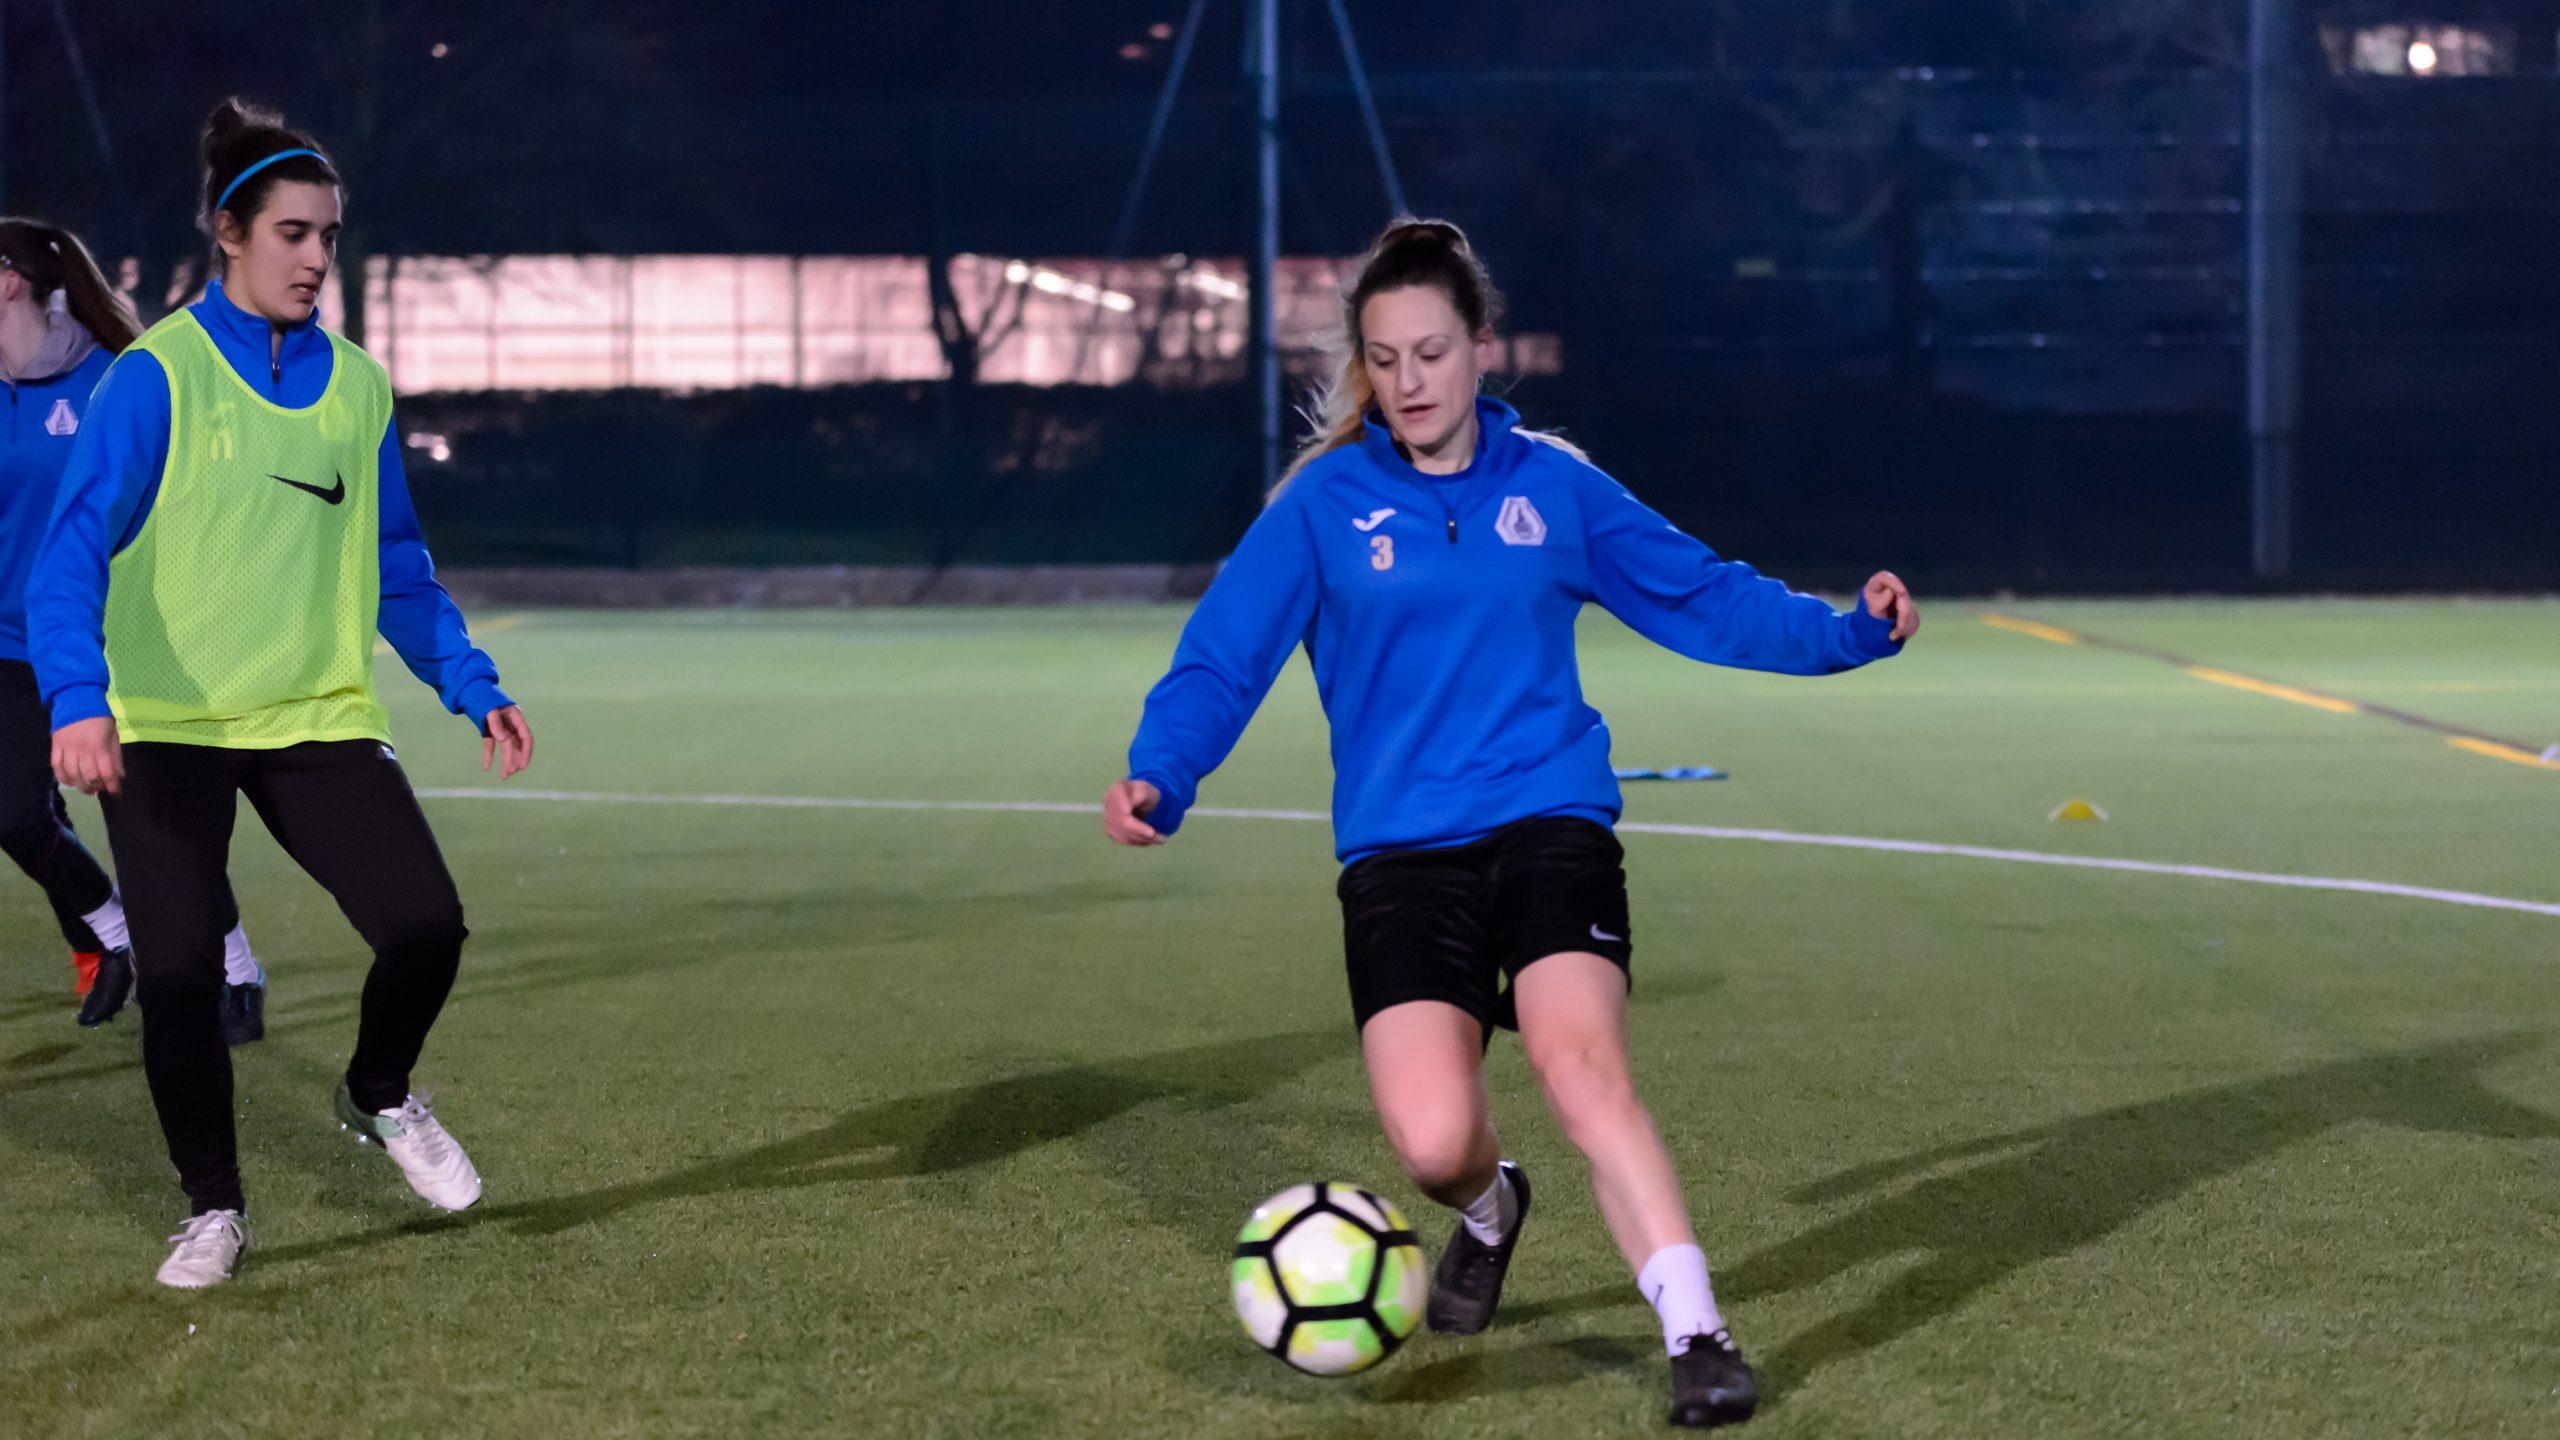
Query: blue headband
pixel 236 180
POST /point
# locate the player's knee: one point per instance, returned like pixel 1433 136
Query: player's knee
pixel 1590 1089
pixel 1438 1152
pixel 431 927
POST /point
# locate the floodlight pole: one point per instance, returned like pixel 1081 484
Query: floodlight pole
pixel 1264 53
pixel 1368 108
pixel 1262 72
pixel 2275 280
pixel 4 121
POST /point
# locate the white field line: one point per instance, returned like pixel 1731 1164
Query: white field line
pixel 1701 832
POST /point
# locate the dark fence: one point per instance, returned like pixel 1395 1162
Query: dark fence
pixel 1818 484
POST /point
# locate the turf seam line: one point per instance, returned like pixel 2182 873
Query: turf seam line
pixel 2472 899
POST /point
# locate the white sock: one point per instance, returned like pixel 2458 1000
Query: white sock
pixel 107 922
pixel 1674 1282
pixel 239 967
pixel 1491 1215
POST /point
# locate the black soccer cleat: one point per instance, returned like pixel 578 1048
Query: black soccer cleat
pixel 1467 1286
pixel 244 1014
pixel 1711 1384
pixel 107 993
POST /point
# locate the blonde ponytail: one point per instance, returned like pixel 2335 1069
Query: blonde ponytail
pixel 1338 413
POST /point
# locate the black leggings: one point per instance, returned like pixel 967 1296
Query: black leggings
pixel 344 811
pixel 35 829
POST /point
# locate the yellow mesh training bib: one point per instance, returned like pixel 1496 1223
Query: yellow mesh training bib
pixel 242 615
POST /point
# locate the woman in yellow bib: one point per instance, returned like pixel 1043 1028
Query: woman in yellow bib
pixel 233 529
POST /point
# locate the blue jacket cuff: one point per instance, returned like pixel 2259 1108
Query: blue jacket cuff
pixel 1171 804
pixel 478 699
pixel 1870 635
pixel 76 703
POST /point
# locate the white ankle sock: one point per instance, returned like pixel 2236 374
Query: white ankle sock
pixel 1491 1215
pixel 239 967
pixel 1674 1282
pixel 107 922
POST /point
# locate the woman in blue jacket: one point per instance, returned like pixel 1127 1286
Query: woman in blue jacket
pixel 60 325
pixel 1432 556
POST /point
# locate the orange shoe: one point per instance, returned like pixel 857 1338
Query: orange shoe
pixel 84 971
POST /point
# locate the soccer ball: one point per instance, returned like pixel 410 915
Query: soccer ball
pixel 1328 1278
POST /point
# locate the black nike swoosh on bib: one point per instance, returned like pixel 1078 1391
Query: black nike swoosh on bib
pixel 332 495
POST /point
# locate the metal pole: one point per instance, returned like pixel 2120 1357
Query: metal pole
pixel 4 119
pixel 2275 280
pixel 1121 232
pixel 799 329
pixel 98 124
pixel 1368 109
pixel 1266 245
pixel 1155 131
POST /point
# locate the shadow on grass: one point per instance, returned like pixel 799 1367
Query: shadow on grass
pixel 2046 1191
pixel 1598 1297
pixel 939 1132
pixel 567 968
pixel 61 1002
pixel 944 1131
pixel 1429 1370
pixel 36 1056
pixel 1511 1370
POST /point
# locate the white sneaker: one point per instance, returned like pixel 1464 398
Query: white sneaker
pixel 428 1155
pixel 208 1246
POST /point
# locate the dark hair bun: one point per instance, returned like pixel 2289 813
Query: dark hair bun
pixel 231 122
pixel 1407 232
pixel 236 136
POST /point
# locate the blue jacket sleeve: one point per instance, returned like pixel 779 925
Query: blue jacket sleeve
pixel 1673 590
pixel 418 616
pixel 1256 612
pixel 107 488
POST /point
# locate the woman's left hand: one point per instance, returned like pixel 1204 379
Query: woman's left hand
pixel 1889 599
pixel 509 742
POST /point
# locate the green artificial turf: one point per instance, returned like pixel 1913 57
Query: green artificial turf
pixel 806 1121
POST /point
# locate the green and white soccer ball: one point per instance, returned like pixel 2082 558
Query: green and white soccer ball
pixel 1329 1278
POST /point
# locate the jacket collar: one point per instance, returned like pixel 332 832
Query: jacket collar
pixel 244 336
pixel 1496 445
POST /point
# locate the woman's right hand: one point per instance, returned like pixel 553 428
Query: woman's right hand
pixel 88 758
pixel 1123 807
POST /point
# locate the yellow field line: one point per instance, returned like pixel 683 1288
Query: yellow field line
pixel 2496 751
pixel 2273 691
pixel 2514 755
pixel 2038 629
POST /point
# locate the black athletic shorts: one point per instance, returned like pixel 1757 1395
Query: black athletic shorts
pixel 1458 924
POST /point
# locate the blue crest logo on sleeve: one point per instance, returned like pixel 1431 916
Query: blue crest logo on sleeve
pixel 1520 523
pixel 61 420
